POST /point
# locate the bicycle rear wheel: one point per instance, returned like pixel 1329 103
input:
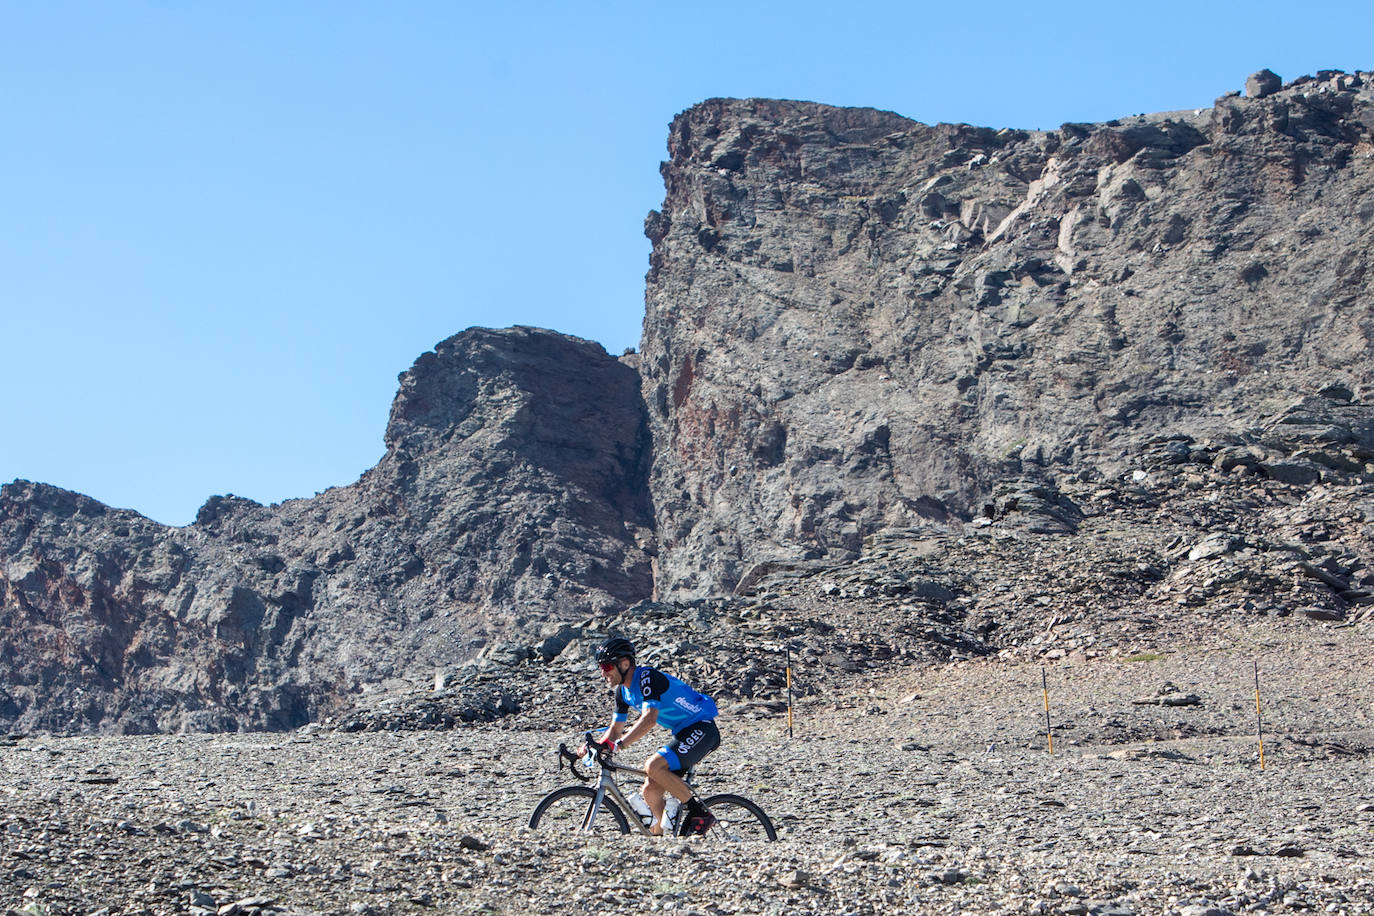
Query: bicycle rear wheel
pixel 737 820
pixel 564 811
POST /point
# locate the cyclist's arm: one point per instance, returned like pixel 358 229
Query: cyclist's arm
pixel 643 725
pixel 612 733
pixel 619 718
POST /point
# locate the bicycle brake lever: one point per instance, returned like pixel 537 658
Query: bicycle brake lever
pixel 572 759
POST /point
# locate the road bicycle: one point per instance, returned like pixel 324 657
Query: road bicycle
pixel 606 810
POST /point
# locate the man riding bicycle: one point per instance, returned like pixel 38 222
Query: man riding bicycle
pixel 662 700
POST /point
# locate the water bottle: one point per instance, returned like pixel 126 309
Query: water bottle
pixel 670 811
pixel 641 807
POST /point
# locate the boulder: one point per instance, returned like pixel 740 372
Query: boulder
pixel 1263 83
pixel 1293 471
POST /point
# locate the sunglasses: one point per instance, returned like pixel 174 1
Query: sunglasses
pixel 606 667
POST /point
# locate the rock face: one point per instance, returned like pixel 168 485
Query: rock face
pixel 514 479
pixel 855 325
pixel 855 321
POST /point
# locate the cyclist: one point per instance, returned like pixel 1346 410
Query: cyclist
pixel 662 700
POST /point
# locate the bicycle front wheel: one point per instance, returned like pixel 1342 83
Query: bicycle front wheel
pixel 565 811
pixel 737 820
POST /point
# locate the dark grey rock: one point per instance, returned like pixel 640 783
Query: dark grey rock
pixel 1262 84
pixel 1216 545
pixel 1294 471
pixel 556 642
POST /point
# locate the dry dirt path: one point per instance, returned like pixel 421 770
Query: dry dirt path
pixel 929 791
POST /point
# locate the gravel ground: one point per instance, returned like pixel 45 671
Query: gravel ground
pixel 928 789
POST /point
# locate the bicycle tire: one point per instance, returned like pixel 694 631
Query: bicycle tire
pixel 565 809
pixel 737 820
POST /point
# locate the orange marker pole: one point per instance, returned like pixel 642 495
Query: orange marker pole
pixel 789 691
pixel 1045 688
pixel 1259 720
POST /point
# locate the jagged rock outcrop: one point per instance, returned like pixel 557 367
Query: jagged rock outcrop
pixel 511 497
pixel 855 321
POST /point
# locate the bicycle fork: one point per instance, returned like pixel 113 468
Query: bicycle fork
pixel 607 786
pixel 594 808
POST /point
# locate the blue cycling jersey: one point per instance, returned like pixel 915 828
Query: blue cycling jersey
pixel 678 705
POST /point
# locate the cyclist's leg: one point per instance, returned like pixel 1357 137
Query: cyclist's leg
pixel 666 767
pixel 653 797
pixel 659 780
pixel 693 744
pixel 689 747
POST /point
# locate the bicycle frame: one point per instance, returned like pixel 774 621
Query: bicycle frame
pixel 606 785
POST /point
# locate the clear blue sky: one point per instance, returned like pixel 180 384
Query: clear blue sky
pixel 225 228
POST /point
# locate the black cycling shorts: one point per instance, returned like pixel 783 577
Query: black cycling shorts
pixel 690 745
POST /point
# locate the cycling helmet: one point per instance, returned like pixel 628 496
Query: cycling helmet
pixel 616 647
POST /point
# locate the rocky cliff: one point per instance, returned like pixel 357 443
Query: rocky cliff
pixel 511 499
pixel 855 321
pixel 855 324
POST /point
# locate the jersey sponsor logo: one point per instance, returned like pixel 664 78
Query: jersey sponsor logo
pixel 688 705
pixel 677 703
pixel 653 684
pixel 691 741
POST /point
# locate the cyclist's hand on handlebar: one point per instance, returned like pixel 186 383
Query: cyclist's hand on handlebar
pixel 600 747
